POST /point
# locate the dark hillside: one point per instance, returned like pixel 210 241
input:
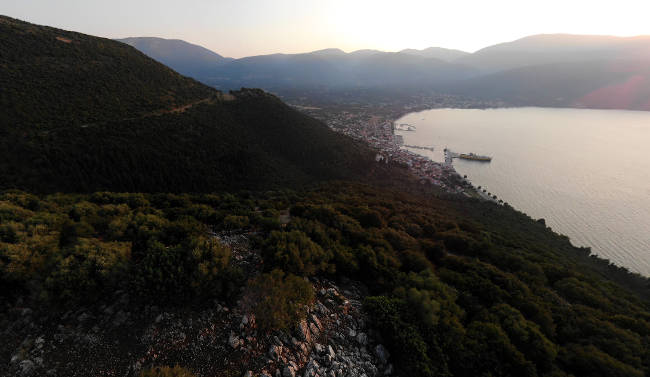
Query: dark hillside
pixel 85 113
pixel 51 77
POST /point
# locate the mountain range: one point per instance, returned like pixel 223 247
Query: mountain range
pixel 544 70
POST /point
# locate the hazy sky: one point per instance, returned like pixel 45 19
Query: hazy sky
pixel 249 27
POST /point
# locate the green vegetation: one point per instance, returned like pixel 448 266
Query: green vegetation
pixel 96 114
pixel 67 249
pixel 457 287
pixel 53 78
pixel 280 301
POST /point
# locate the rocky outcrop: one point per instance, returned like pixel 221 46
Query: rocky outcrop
pixel 333 341
pixel 120 336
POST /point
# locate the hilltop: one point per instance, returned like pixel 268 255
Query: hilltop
pixel 188 59
pixel 86 113
pixel 52 77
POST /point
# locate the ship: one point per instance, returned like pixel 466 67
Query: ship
pixel 475 157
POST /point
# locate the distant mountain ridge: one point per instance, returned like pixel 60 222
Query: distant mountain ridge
pixel 331 68
pixel 540 70
pixel 557 48
pixel 563 70
pixel 186 58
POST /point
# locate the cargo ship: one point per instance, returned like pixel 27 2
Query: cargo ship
pixel 475 157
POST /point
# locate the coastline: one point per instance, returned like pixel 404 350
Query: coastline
pixel 546 190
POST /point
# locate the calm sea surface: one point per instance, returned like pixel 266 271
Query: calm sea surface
pixel 586 172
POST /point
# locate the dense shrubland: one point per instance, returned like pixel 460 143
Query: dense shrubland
pixel 456 287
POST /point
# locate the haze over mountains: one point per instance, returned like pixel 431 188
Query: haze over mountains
pixel 189 59
pixel 545 49
pixel 446 54
pixel 543 70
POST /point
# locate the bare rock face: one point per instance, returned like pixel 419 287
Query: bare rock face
pixel 289 371
pixel 27 368
pixel 233 340
pixel 334 340
pixel 382 353
pixel 275 352
pixel 303 331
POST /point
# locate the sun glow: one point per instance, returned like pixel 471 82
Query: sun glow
pixel 242 28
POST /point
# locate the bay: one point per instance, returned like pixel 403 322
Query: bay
pixel 586 172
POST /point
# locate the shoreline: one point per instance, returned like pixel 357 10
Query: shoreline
pixel 375 126
pixel 626 253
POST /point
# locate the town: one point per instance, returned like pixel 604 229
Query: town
pixel 374 123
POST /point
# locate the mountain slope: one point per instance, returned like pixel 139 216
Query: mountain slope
pixel 186 58
pixel 619 84
pixel 557 48
pixel 86 113
pixel 52 77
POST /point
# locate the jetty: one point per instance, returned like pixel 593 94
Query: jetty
pixel 449 157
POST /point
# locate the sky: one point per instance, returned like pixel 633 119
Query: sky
pixel 238 28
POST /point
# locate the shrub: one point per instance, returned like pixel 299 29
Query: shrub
pixel 188 269
pixel 280 300
pixel 235 222
pixel 90 267
pixel 10 231
pixel 403 339
pixel 414 261
pixel 296 253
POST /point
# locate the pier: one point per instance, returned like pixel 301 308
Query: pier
pixel 449 157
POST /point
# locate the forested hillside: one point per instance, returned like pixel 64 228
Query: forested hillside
pixel 85 113
pixel 453 287
pixel 53 78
